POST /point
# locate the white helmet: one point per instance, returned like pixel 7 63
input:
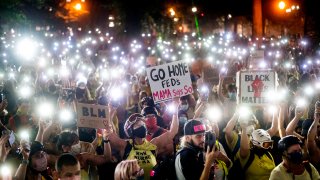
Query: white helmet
pixel 261 138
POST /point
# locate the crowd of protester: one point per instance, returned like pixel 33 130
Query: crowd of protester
pixel 169 140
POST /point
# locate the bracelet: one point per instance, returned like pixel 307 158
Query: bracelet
pixel 106 141
pixel 26 162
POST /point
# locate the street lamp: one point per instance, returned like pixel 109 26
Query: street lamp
pixel 282 5
pixel 78 7
pixel 194 9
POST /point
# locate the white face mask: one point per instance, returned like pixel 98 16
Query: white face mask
pixel 184 107
pixel 76 149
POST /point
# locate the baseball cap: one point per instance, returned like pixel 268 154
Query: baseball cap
pixel 36 146
pixel 194 127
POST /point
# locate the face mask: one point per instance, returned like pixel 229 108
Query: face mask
pixel 52 88
pixel 151 122
pixel 295 157
pixel 140 132
pixel 184 107
pixel 40 164
pixel 232 96
pixel 76 149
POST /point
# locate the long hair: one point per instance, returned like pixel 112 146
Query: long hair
pixel 125 170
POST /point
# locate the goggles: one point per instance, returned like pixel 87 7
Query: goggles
pixel 265 144
pixel 149 116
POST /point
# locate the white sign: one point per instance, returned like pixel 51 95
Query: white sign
pixel 169 80
pixel 254 86
pixel 257 57
pixel 92 116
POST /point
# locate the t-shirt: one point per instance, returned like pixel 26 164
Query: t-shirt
pixel 260 168
pixel 231 145
pixel 145 154
pixel 280 172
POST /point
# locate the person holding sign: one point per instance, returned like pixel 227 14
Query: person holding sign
pixel 138 147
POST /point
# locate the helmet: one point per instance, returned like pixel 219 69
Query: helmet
pixel 261 138
pixel 288 141
pixel 130 122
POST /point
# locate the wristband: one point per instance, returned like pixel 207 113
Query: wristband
pixel 26 162
pixel 106 141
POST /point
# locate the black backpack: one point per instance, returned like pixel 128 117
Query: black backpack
pixel 165 170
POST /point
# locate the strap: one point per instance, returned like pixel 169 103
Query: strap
pixel 157 133
pixel 308 168
pixel 236 148
pixel 127 150
pixel 250 160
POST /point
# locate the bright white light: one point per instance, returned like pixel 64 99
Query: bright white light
pixel 24 135
pixel 244 112
pixel 26 48
pixel 172 108
pixel 45 110
pixel 116 93
pixel 214 113
pixel 272 109
pixel 308 90
pixel 301 102
pixel 194 9
pixel 26 91
pixel 65 115
pixel 5 171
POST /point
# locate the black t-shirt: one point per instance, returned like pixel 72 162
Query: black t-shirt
pixel 192 163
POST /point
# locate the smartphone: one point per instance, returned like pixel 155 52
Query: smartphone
pixel 210 140
pixel 12 138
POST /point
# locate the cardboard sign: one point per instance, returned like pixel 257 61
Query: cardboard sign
pixel 169 80
pixel 254 86
pixel 92 116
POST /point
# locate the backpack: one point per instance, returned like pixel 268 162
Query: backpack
pixel 237 172
pixel 165 170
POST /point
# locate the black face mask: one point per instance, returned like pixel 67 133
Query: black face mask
pixel 52 88
pixel 140 132
pixel 295 157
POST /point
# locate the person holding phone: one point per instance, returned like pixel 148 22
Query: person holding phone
pixel 191 161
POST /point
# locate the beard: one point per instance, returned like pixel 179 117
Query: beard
pixel 199 147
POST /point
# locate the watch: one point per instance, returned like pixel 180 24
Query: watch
pixel 106 141
pixel 26 162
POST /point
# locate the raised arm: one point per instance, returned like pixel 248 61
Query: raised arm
pixel 312 133
pixel 199 110
pixel 230 126
pixel 244 143
pixel 115 141
pixel 39 136
pixel 168 136
pixel 22 169
pixel 293 124
pixel 221 80
pixel 282 130
pixel 274 125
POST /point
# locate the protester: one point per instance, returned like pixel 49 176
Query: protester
pixel 191 161
pixel 67 168
pixel 127 170
pixel 292 166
